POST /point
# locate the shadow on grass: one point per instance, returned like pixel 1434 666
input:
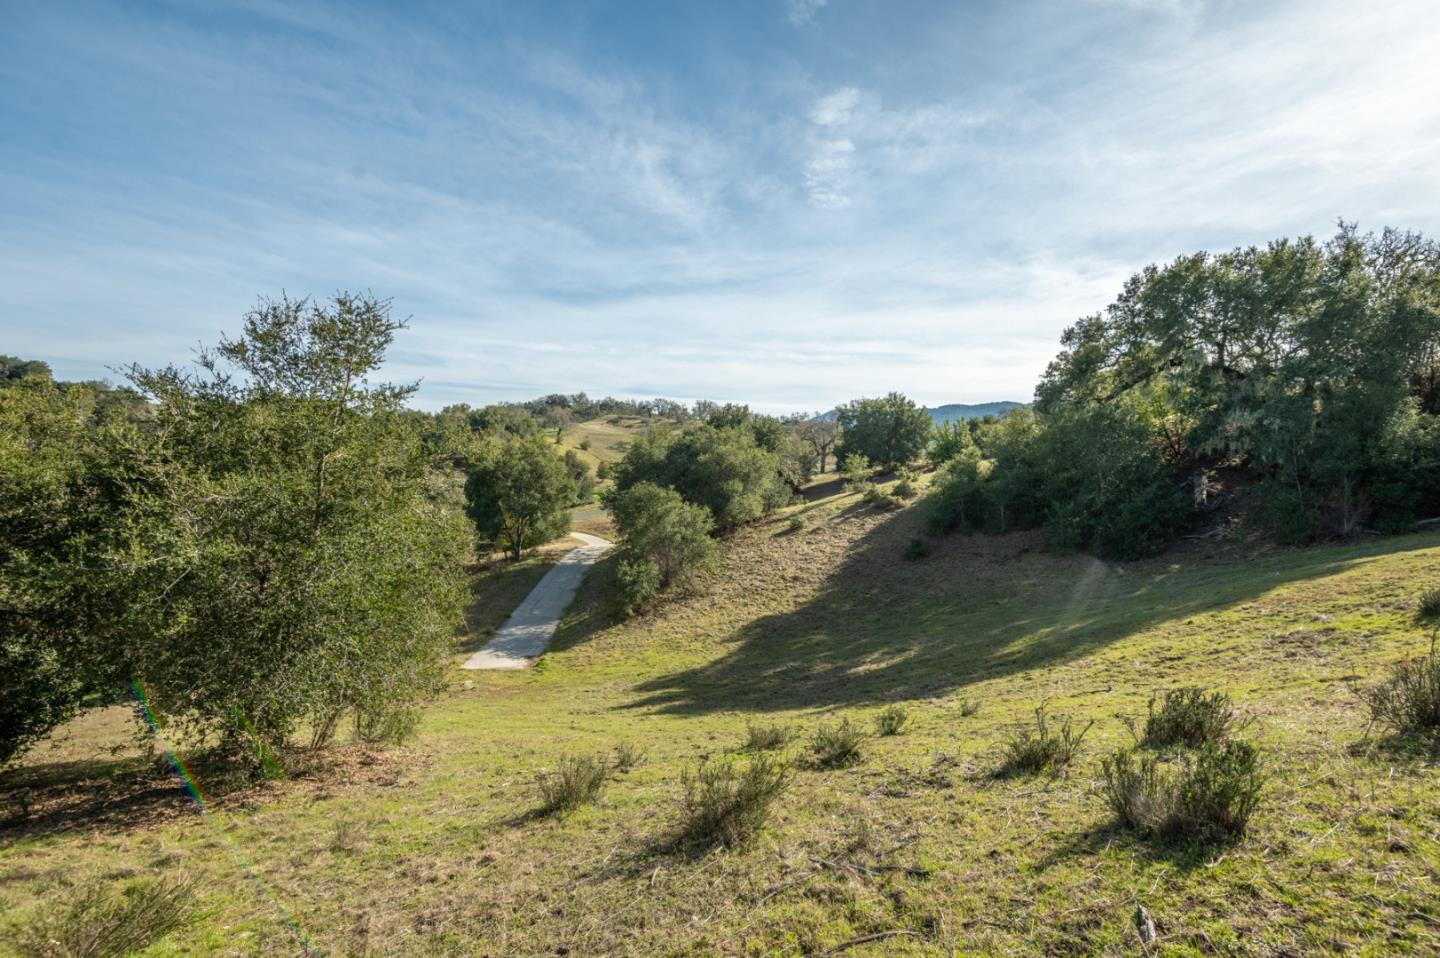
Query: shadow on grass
pixel 53 797
pixel 1411 748
pixel 496 589
pixel 980 607
pixel 1179 853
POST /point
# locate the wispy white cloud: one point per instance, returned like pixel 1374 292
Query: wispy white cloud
pixel 801 12
pixel 787 225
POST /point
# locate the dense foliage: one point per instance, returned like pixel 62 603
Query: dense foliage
pixel 518 494
pixel 723 468
pixel 1307 370
pixel 266 551
pixel 889 431
pixel 1312 365
pixel 664 541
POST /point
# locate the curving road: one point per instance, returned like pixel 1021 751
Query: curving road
pixel 528 631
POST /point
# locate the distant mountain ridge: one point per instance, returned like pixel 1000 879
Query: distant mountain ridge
pixel 960 410
pixel 957 410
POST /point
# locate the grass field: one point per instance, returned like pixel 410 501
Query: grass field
pixel 432 849
pixel 607 440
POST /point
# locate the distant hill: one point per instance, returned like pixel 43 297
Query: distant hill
pixel 957 410
pixel 960 410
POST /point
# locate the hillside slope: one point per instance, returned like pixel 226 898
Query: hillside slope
pixel 431 850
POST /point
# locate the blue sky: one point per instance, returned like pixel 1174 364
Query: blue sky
pixel 785 202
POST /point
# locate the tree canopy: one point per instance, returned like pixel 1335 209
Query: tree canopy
pixel 889 431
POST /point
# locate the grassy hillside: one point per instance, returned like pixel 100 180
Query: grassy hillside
pixel 433 849
pixel 607 438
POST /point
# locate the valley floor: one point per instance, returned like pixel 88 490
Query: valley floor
pixel 432 850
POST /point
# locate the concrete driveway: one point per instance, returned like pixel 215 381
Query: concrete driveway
pixel 528 631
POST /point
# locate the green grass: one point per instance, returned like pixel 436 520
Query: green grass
pixel 808 628
pixel 607 440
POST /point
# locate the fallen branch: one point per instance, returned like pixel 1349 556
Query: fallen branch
pixel 910 870
pixel 863 939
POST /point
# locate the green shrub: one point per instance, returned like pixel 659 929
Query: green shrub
pixel 1408 700
pixel 956 501
pixel 627 756
pixel 969 707
pixel 950 439
pixel 726 805
pixel 585 444
pixel 764 738
pixel 1207 795
pixel 891 721
pixel 664 542
pixel 857 471
pixel 795 523
pixel 1429 606
pixel 1189 716
pixel 916 549
pixel 905 488
pixel 1040 745
pixel 837 745
pixel 637 582
pixel 575 781
pixel 875 496
pixel 101 921
pixel 1286 515
pixel 293 569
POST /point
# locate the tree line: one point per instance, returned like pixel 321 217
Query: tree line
pixel 1302 374
pixel 267 547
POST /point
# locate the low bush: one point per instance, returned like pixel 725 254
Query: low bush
pixel 837 745
pixel 574 782
pixel 969 707
pixel 891 721
pixel 728 805
pixel 1207 795
pixel 873 495
pixel 637 582
pixel 1429 607
pixel 1408 700
pixel 905 488
pixel 795 523
pixel 916 549
pixel 101 921
pixel 1188 716
pixel 765 738
pixel 627 756
pixel 1042 744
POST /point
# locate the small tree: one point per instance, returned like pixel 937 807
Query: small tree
pixel 518 495
pixel 890 431
pixel 664 541
pixel 580 475
pixel 725 470
pixel 820 435
pixel 277 559
pixel 949 440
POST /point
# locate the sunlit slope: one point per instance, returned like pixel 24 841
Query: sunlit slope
pixel 437 855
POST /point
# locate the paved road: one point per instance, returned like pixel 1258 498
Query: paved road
pixel 528 631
